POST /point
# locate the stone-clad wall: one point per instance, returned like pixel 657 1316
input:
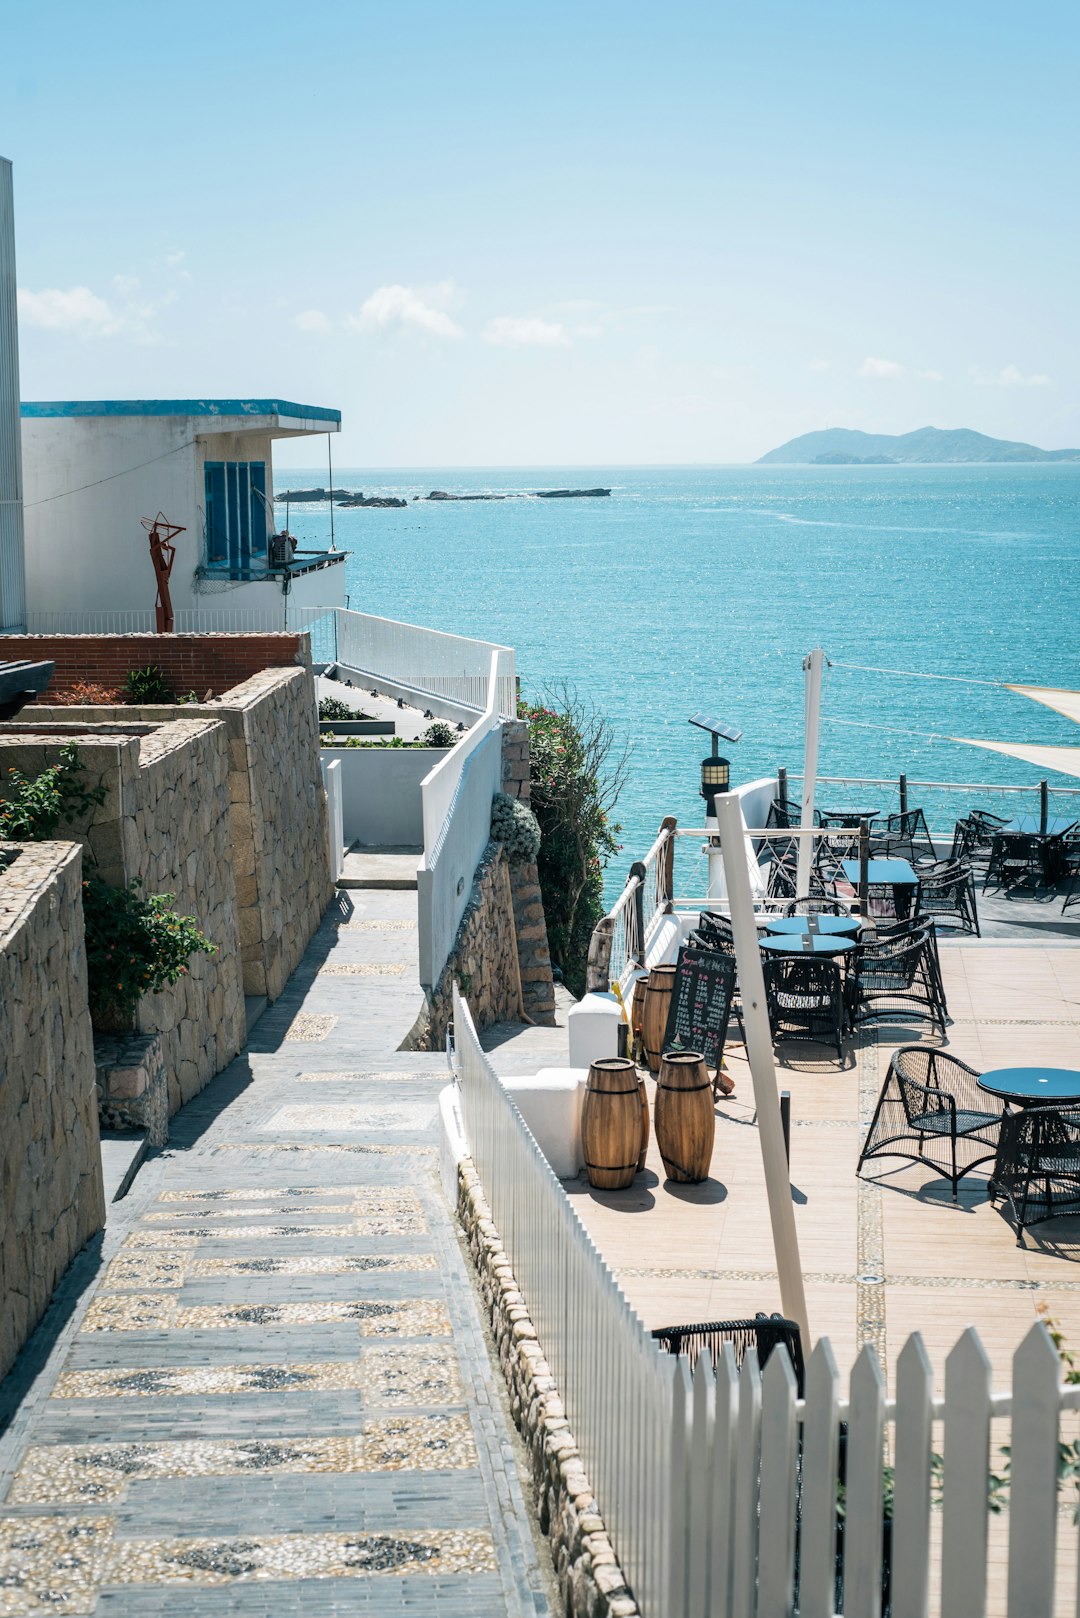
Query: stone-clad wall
pixel 483 960
pixel 166 821
pixel 277 815
pixel 534 956
pixel 51 1198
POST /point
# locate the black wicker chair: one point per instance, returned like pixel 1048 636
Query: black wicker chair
pixel 905 836
pixel 817 907
pixel 763 1333
pixel 805 997
pixel 1015 861
pixel 897 975
pixel 1037 1171
pixel 931 1101
pixel 1072 860
pixel 946 891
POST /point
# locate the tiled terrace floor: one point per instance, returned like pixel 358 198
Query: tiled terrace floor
pixel 697 1253
pixel 267 1391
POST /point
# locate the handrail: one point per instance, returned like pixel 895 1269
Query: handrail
pixel 944 786
pixel 438 786
pixel 618 944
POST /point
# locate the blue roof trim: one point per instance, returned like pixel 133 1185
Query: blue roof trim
pixel 177 407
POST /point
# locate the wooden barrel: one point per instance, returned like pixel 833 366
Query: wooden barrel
pixel 685 1122
pixel 611 1123
pixel 644 1095
pixel 655 1013
pixel 637 1001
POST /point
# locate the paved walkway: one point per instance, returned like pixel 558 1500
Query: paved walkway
pixel 267 1391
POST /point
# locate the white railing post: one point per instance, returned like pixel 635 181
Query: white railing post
pixel 759 1052
pixel 967 1464
pixel 911 1490
pixel 1033 1478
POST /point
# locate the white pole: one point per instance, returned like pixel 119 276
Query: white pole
pixel 811 722
pixel 717 891
pixel 759 1052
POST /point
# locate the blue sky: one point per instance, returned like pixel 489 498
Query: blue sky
pixel 589 234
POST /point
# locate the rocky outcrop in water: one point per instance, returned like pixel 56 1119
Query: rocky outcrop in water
pixel 535 494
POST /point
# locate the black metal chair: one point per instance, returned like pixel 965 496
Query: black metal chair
pixel 905 836
pixel 946 891
pixel 1037 1170
pixel 930 1100
pixel 763 1333
pixel 1015 862
pixel 816 907
pixel 897 975
pixel 1072 860
pixel 805 998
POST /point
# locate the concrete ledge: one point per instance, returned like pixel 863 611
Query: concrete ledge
pixel 591 1583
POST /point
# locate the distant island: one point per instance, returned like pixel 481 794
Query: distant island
pixel 536 494
pixel 845 446
pixel 356 497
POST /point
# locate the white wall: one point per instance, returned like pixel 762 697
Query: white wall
pixel 88 481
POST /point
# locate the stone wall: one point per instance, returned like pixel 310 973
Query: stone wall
pixel 277 816
pixel 198 663
pixel 591 1582
pixel 50 1159
pixel 165 821
pixel 484 958
pixel 534 957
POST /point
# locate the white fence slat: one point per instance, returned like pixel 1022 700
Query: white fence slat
pixel 776 1571
pixel 817 1546
pixel 678 1495
pixel 744 1569
pixel 1033 1476
pixel 863 1498
pixel 725 1440
pixel 702 1517
pixel 911 1492
pixel 967 1458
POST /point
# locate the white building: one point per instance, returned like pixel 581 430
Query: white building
pixel 93 469
pixel 12 587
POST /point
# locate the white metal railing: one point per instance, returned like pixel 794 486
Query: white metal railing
pixel 614 1382
pixel 619 942
pixel 720 1489
pixel 456 797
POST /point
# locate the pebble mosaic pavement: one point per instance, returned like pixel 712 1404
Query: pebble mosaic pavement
pixel 267 1390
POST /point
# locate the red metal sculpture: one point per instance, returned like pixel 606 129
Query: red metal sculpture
pixel 162 554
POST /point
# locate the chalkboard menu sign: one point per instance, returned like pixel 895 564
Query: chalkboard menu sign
pixel 701 1003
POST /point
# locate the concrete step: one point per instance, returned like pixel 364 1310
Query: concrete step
pixel 380 868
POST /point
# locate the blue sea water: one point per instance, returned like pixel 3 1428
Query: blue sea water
pixel 703 588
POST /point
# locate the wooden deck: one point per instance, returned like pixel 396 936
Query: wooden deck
pixel 884 1255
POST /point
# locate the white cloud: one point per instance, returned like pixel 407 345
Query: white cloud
pixel 1010 376
pixel 312 320
pixel 510 331
pixel 175 258
pixel 77 310
pixel 818 365
pixel 126 284
pixel 881 368
pixel 401 306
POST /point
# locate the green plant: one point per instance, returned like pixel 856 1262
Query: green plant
pixel 145 687
pixel 39 803
pixel 136 944
pixel 514 825
pixel 334 708
pixel 577 771
pixel 86 693
pixel 440 734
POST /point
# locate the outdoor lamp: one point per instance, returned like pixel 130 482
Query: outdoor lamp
pixel 715 777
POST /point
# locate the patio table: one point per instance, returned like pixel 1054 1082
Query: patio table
pixel 1032 1086
pixel 886 873
pixel 807 944
pixel 848 819
pixel 845 926
pixel 1030 826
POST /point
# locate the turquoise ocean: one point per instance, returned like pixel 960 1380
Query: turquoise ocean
pixel 703 588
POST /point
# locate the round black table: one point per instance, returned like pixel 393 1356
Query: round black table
pixel 1032 1086
pixel 843 926
pixel 808 944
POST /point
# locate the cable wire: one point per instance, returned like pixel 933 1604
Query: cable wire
pixel 913 674
pixel 63 494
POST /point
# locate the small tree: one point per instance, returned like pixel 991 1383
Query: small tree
pixel 578 770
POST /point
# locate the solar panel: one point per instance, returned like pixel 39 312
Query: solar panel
pixel 714 727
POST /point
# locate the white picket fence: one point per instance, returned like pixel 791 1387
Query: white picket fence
pixel 719 1487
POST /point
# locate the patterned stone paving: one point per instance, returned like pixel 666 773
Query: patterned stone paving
pixel 268 1397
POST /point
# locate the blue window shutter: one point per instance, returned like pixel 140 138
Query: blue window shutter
pixel 258 510
pixel 243 508
pixel 234 517
pixel 217 533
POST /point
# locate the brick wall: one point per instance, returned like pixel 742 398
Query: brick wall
pixel 198 663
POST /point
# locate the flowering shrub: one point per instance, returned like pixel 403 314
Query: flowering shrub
pixel 86 692
pixel 38 803
pixel 135 945
pixel 515 826
pixel 577 772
